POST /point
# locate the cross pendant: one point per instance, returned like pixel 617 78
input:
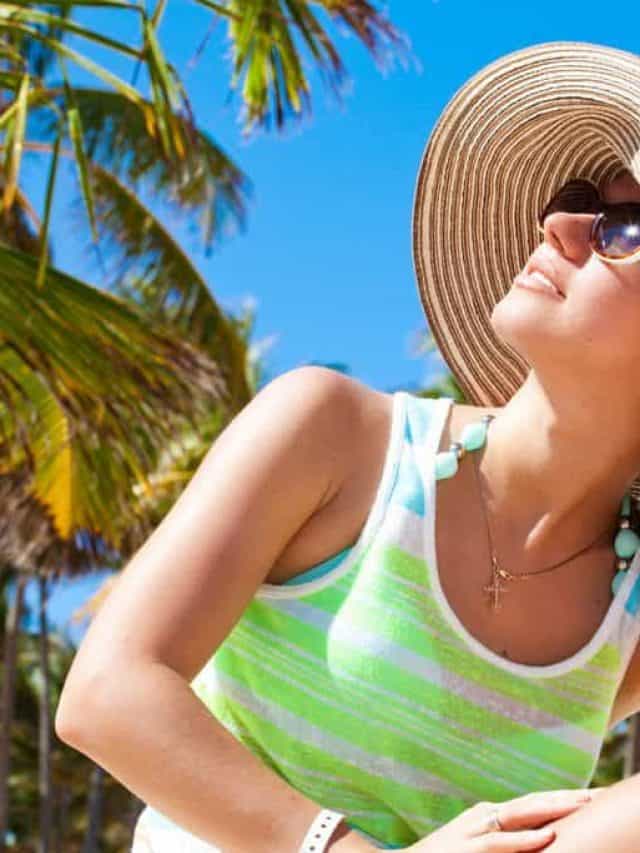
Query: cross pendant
pixel 495 588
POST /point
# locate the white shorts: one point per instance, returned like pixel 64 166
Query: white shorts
pixel 155 833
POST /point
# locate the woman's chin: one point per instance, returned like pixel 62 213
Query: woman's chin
pixel 515 322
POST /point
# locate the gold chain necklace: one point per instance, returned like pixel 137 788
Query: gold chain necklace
pixel 500 574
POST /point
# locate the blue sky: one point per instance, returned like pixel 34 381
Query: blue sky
pixel 326 255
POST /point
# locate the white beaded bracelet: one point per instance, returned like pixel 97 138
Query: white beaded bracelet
pixel 320 831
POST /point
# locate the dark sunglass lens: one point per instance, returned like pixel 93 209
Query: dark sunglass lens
pixel 616 233
pixel 573 197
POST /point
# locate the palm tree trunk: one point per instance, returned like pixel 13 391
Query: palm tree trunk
pixel 8 699
pixel 63 817
pixel 44 768
pixel 92 838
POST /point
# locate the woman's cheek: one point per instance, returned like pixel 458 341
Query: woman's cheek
pixel 606 328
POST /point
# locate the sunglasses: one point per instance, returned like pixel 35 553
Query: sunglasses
pixel 615 230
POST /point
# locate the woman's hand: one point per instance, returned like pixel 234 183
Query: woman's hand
pixel 522 820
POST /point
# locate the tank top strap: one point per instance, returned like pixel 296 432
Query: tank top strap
pixel 426 417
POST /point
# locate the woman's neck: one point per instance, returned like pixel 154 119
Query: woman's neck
pixel 554 471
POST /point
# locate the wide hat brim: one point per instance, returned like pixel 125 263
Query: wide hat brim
pixel 509 138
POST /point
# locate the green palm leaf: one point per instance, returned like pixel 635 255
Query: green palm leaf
pixel 20 226
pixel 37 56
pixel 14 144
pixel 207 185
pixel 267 59
pixel 151 270
pixel 154 271
pixel 48 28
pixel 88 392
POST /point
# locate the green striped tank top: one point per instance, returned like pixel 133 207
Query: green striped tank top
pixel 359 686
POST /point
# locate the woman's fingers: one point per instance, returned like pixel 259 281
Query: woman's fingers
pixel 512 842
pixel 539 807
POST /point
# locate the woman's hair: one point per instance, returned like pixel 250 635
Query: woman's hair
pixel 635 516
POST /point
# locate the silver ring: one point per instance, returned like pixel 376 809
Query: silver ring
pixel 494 822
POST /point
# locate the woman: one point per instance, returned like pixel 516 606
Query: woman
pixel 360 687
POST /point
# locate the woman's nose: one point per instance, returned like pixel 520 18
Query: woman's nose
pixel 569 233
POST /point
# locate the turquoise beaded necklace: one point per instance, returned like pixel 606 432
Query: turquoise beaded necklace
pixel 473 437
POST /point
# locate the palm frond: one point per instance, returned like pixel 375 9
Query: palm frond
pixel 20 226
pixel 153 271
pixel 74 122
pixel 266 38
pixel 38 56
pixel 48 28
pixel 14 144
pixel 44 254
pixel 98 359
pixel 206 185
pixel 89 396
pixel 29 538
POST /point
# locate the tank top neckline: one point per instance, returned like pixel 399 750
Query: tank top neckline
pixel 574 661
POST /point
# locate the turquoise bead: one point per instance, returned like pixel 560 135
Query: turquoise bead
pixel 633 602
pixel 626 505
pixel 626 543
pixel 617 581
pixel 474 435
pixel 446 464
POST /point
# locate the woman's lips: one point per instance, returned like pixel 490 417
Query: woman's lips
pixel 544 267
pixel 537 281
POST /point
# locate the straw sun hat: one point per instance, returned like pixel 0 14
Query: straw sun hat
pixel 505 143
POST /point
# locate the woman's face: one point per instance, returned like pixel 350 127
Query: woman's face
pixel 595 327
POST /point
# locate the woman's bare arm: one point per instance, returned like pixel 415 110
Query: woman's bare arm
pixel 609 824
pixel 127 700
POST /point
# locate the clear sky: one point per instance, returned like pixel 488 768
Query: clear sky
pixel 326 254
